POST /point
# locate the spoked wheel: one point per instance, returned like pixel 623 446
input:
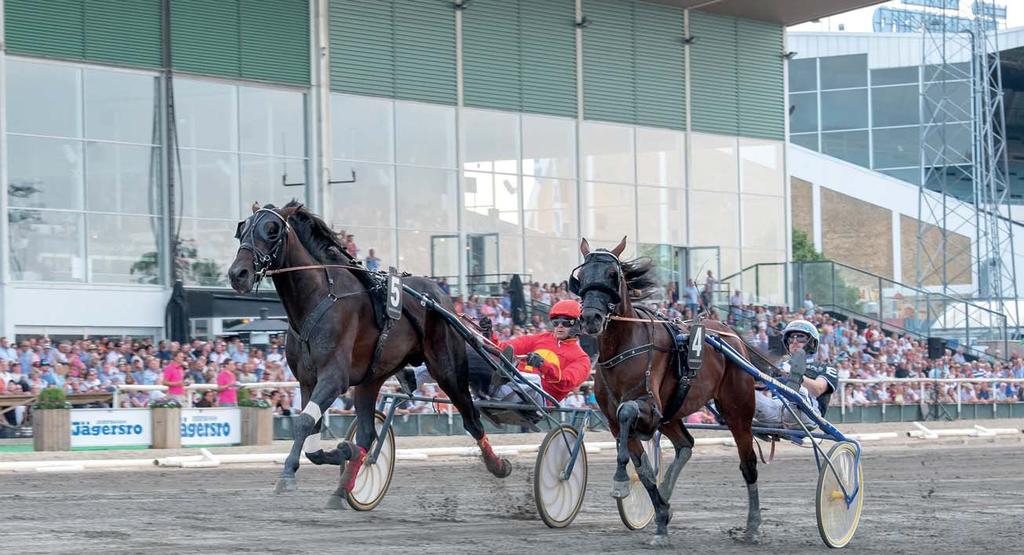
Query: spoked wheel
pixel 837 519
pixel 559 501
pixel 636 509
pixel 373 479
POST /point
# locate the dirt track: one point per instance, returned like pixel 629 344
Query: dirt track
pixel 942 498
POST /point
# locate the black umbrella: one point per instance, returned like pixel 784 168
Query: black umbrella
pixel 515 288
pixel 177 314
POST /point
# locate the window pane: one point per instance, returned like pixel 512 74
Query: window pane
pixel 425 253
pixel 609 211
pixel 895 106
pixel 660 157
pixel 762 169
pixel 844 110
pixel 425 134
pixel 491 202
pixel 549 146
pixel 122 178
pixel 851 146
pixel 43 99
pixel 46 246
pixel 44 173
pixel 490 141
pixel 607 152
pixel 207 249
pixel 840 72
pixel 896 148
pixel 803 74
pixel 426 199
pixel 207 114
pixel 122 106
pixel 950 142
pixel 548 260
pixel 894 75
pixel 806 140
pixel 380 241
pixel 715 219
pixel 370 201
pixel 662 215
pixel 261 181
pixel 946 102
pixel 910 175
pixel 764 223
pixel 804 116
pixel 947 72
pixel 209 185
pixel 714 162
pixel 272 121
pixel 362 128
pixel 123 249
pixel 549 207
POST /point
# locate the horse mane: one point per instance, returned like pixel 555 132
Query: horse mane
pixel 639 281
pixel 320 240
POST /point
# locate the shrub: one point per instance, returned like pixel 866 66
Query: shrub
pixel 165 403
pixel 245 400
pixel 52 398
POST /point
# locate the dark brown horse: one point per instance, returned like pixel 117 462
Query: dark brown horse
pixel 636 381
pixel 332 341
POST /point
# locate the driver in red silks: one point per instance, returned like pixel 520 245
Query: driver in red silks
pixel 555 356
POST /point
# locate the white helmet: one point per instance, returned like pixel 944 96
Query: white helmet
pixel 802 326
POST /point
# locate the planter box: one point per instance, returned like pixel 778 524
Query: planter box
pixel 257 426
pixel 51 429
pixel 166 428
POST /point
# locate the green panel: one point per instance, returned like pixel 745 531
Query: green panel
pixel 275 40
pixel 362 47
pixel 123 32
pixel 51 28
pixel 761 105
pixel 425 50
pixel 548 56
pixel 714 98
pixel 491 68
pixel 609 71
pixel 660 66
pixel 205 37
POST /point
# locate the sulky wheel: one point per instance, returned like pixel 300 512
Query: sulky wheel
pixel 636 509
pixel 837 518
pixel 373 479
pixel 559 501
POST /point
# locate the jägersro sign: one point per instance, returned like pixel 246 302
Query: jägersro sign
pixel 218 426
pixel 111 428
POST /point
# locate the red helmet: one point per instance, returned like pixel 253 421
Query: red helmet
pixel 565 307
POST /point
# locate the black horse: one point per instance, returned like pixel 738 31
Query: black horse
pixel 333 337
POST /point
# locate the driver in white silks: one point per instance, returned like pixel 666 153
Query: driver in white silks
pixel 815 382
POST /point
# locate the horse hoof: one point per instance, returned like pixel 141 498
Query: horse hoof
pixel 503 468
pixel 286 484
pixel 336 502
pixel 753 537
pixel 620 490
pixel 660 540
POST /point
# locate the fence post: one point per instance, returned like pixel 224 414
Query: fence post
pixel 842 399
pixel 833 266
pixel 959 409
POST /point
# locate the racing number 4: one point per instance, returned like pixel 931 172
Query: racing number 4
pixel 697 341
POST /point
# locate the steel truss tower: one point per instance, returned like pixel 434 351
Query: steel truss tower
pixel 964 235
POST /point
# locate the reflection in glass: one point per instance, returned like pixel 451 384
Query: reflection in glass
pixel 425 134
pixel 370 201
pixel 44 173
pixel 122 178
pixel 894 75
pixel 549 260
pixel 609 211
pixel 123 249
pixel 272 121
pixel 490 141
pixel 427 199
pixel 549 207
pixel 714 162
pixel 261 181
pixel 763 226
pixel 607 151
pixel 895 106
pixel 362 128
pixel 897 147
pixel 806 140
pixel 844 109
pixel 46 246
pixel 207 114
pixel 762 168
pixel 840 72
pixel 662 215
pixel 122 106
pixel 549 146
pixel 659 155
pixel 803 74
pixel 43 99
pixel 851 146
pixel 490 202
pixel 804 112
pixel 206 250
pixel 209 183
pixel 715 218
pixel 380 240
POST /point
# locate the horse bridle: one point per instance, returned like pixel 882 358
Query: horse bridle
pixel 261 261
pixel 615 298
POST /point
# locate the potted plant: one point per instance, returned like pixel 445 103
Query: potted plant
pixel 166 414
pixel 51 421
pixel 257 419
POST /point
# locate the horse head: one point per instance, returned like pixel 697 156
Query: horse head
pixel 600 283
pixel 262 239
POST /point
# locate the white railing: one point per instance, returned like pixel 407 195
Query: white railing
pixel 921 382
pixel 197 387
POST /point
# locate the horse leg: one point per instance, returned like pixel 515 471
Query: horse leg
pixel 303 439
pixel 626 414
pixel 740 426
pixel 662 509
pixel 316 454
pixel 683 443
pixel 366 431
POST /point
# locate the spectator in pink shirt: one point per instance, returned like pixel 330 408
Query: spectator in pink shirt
pixel 227 395
pixel 174 376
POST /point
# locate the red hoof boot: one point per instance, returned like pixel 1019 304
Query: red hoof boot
pixel 348 477
pixel 496 466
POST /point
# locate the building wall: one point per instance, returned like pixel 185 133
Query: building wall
pixel 802 205
pixel 856 232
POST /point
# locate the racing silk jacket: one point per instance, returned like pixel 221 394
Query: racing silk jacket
pixel 816 370
pixel 566 366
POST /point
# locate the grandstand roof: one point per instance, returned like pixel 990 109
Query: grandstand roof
pixel 786 12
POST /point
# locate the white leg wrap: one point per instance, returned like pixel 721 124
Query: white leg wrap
pixel 313 410
pixel 312 443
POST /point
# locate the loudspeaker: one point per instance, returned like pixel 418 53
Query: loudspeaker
pixel 936 347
